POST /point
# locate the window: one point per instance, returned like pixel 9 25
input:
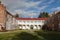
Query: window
pixel 35 21
pixel 59 24
pixel 39 21
pixel 42 21
pixel 19 21
pixel 31 21
pixel 58 17
pixel 24 21
pixel 27 21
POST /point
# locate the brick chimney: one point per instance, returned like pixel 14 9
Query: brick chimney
pixel 0 2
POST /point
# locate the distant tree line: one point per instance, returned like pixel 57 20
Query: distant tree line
pixel 43 15
pixel 16 15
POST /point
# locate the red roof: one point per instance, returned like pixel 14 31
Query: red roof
pixel 32 18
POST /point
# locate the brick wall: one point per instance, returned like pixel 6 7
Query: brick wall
pixel 2 15
pixel 53 21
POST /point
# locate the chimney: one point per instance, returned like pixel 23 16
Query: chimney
pixel 0 2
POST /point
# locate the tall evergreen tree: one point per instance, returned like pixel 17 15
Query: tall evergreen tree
pixel 16 15
pixel 46 14
pixel 43 15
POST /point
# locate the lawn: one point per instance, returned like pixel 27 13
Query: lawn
pixel 29 35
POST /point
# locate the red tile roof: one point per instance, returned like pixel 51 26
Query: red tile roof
pixel 32 18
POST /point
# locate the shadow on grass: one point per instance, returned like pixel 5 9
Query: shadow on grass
pixel 26 36
pixel 37 35
pixel 49 35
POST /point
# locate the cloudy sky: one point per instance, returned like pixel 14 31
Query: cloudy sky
pixel 28 8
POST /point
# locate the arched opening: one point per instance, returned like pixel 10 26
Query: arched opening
pixel 36 26
pixel 39 25
pixel 20 26
pixel 27 25
pixel 31 27
pixel 23 26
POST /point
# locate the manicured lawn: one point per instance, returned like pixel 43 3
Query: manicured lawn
pixel 29 35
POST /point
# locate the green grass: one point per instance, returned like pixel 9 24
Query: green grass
pixel 29 35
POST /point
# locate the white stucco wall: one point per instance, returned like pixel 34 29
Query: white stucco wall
pixel 10 22
pixel 30 22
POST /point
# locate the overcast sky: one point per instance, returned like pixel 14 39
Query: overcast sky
pixel 28 8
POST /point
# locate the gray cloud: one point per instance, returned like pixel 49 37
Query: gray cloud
pixel 20 6
pixel 55 9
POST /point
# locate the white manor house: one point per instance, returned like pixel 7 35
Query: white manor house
pixel 31 23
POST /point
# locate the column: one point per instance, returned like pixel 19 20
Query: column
pixel 34 27
pixel 28 26
pixel 38 26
